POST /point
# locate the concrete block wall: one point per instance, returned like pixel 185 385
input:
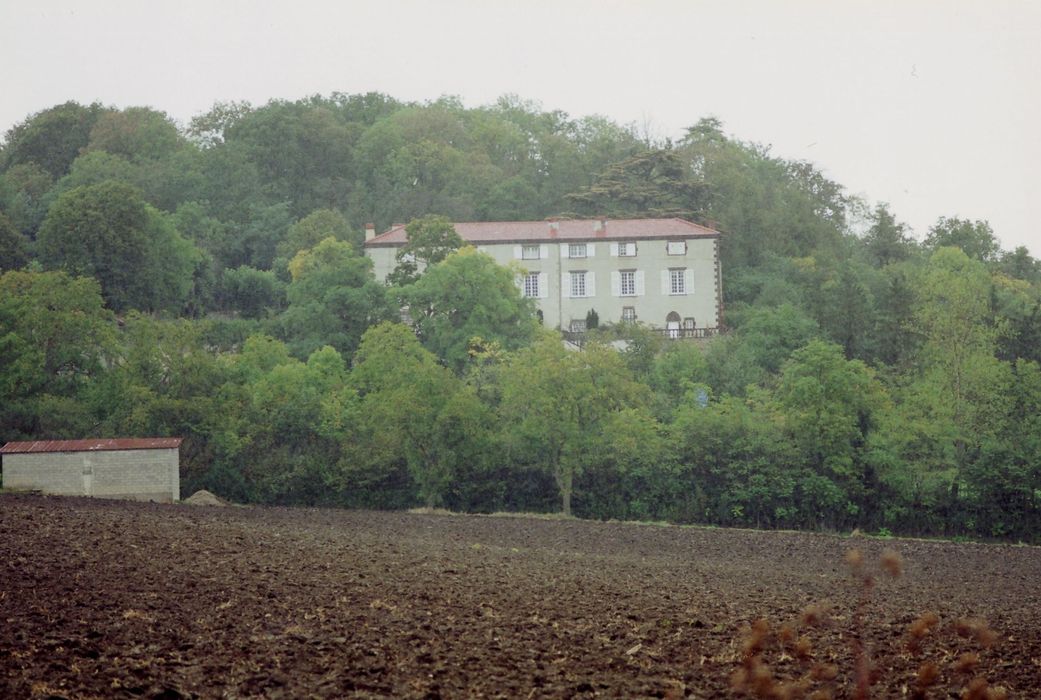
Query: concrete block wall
pixel 145 475
pixel 60 473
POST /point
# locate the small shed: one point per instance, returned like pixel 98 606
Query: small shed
pixel 141 469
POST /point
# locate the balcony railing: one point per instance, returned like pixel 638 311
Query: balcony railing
pixel 579 337
pixel 687 333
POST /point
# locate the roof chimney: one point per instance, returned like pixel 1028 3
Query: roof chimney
pixel 370 231
pixel 554 228
pixel 600 228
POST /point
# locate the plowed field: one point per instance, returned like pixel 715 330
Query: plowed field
pixel 111 599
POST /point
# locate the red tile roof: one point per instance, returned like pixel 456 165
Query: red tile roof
pixel 90 445
pixel 566 230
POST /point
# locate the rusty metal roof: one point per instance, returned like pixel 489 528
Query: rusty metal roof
pixel 563 230
pixel 103 444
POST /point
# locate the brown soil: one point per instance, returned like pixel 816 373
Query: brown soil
pixel 117 599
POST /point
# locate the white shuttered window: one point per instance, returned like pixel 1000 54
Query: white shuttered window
pixel 676 281
pixel 578 284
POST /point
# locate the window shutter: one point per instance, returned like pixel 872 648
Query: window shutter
pixel 519 281
pixel 565 284
pixel 518 253
pixel 590 284
pixel 616 282
pixel 640 286
pixel 688 281
pixel 614 250
pixel 563 250
pixel 543 285
pixel 665 283
pixel 543 251
pixel 590 250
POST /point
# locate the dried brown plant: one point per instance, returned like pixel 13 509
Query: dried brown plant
pixel 821 680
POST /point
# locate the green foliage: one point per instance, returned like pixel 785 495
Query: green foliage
pixel 255 241
pixel 655 183
pixel 465 296
pixel 251 292
pixel 161 381
pixel 303 151
pixel 55 336
pixel 273 439
pixel 680 373
pixel 866 381
pixel 136 133
pixel 333 299
pixel 401 407
pixel 767 206
pixel 887 241
pixel 108 232
pixel 630 473
pixel 846 310
pixel 736 465
pixel 829 405
pixel 25 196
pixel 1019 264
pixel 763 339
pixel 51 139
pixel 312 230
pixel 100 231
pixel 431 239
pixel 208 129
pixel 14 248
pixel 559 405
pixel 975 238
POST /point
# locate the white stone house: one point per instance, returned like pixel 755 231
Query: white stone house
pixel 664 273
pixel 141 469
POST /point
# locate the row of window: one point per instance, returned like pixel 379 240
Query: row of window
pixel 624 283
pixel 625 249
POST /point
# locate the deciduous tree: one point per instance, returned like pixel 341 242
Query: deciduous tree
pixel 465 296
pixel 559 404
pixel 431 239
pixel 333 298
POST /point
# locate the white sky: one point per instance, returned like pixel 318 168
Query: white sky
pixel 931 105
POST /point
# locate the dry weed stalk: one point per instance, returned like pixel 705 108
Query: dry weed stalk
pixel 818 679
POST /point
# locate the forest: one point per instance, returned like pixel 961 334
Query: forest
pixel 207 281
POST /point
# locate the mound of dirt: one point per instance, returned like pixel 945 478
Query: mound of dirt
pixel 202 497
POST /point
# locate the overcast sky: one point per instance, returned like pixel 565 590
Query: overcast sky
pixel 932 106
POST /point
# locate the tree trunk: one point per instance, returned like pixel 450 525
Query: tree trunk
pixel 565 483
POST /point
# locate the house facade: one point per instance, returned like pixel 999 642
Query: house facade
pixel 141 469
pixel 661 272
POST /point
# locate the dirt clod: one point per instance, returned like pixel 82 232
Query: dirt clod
pixel 108 598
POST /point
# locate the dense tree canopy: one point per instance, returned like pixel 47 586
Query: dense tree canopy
pixel 107 231
pixel 867 378
pixel 466 296
pixel 333 298
pixel 53 138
